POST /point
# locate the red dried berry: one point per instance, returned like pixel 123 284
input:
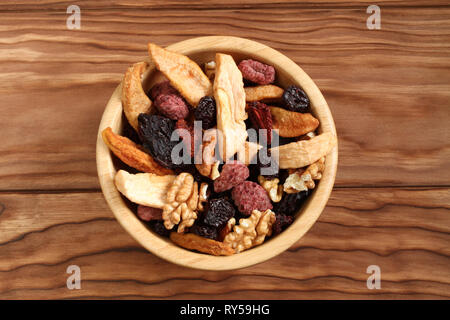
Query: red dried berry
pixel 249 196
pixel 233 173
pixel 186 133
pixel 218 212
pixel 261 118
pixel 162 88
pixel 172 106
pixel 149 213
pixel 257 72
pixel 204 231
pixel 206 112
pixel 295 99
pixel 281 223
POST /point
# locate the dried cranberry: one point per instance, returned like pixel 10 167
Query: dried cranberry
pixel 206 112
pixel 291 203
pixel 281 223
pixel 155 133
pixel 261 118
pixel 249 196
pixel 218 212
pixel 232 174
pixel 295 99
pixel 257 72
pixel 204 231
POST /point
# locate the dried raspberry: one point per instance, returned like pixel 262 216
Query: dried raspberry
pixel 155 133
pixel 204 231
pixel 295 99
pixel 291 203
pixel 149 213
pixel 172 106
pixel 218 212
pixel 186 133
pixel 261 118
pixel 281 223
pixel 249 196
pixel 233 173
pixel 159 228
pixel 257 72
pixel 206 112
pixel 162 88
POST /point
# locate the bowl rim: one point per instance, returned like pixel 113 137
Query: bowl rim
pixel 305 218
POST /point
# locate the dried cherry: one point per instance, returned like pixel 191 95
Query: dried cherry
pixel 206 112
pixel 295 99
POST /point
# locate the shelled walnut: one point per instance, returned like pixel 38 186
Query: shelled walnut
pixel 274 190
pixel 303 179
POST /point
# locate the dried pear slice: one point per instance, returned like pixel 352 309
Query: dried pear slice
pixel 147 189
pixel 134 99
pixel 230 100
pixel 184 74
pixel 292 124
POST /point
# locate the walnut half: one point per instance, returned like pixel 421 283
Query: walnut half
pixel 302 180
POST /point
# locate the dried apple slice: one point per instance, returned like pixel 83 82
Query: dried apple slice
pixel 134 99
pixel 305 152
pixel 267 93
pixel 129 152
pixel 147 189
pixel 184 74
pixel 194 242
pixel 292 124
pixel 230 100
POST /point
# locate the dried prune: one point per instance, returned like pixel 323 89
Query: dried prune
pixel 261 118
pixel 218 212
pixel 155 133
pixel 256 71
pixel 204 231
pixel 295 99
pixel 206 112
pixel 172 106
pixel 249 196
pixel 159 228
pixel 233 173
pixel 291 203
pixel 281 223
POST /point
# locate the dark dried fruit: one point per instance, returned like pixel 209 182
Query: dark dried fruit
pixel 204 231
pixel 233 173
pixel 295 99
pixel 218 212
pixel 158 227
pixel 261 118
pixel 172 106
pixel 149 213
pixel 249 196
pixel 206 112
pixel 281 223
pixel 257 72
pixel 155 132
pixel 291 203
pixel 162 88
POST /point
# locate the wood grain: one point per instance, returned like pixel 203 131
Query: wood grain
pixel 387 89
pixel 404 231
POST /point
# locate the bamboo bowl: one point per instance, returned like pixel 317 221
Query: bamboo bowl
pixel 203 50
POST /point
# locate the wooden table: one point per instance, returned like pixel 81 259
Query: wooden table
pixel 388 90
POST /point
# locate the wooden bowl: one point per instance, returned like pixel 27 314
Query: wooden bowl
pixel 202 50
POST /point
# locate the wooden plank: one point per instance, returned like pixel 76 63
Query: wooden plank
pixel 387 89
pixel 405 231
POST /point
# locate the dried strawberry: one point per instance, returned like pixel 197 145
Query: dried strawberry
pixel 249 196
pixel 162 88
pixel 257 72
pixel 261 118
pixel 149 213
pixel 172 106
pixel 233 173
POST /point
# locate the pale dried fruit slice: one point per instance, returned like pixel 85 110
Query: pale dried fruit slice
pixel 302 153
pixel 292 124
pixel 267 93
pixel 130 153
pixel 194 242
pixel 134 99
pixel 147 189
pixel 184 74
pixel 230 100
